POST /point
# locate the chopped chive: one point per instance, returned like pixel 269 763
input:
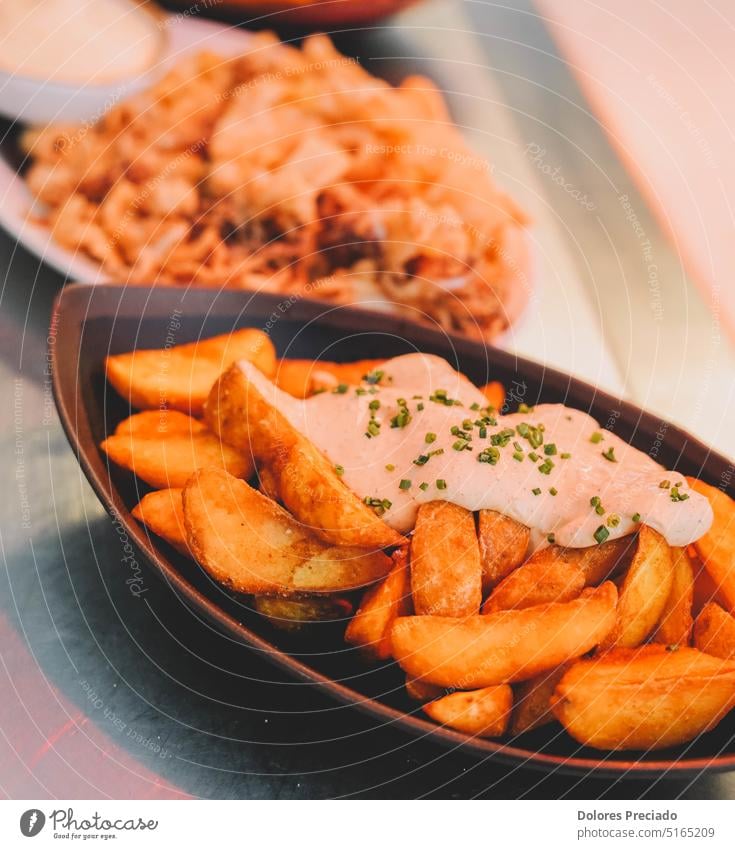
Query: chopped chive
pixel 404 484
pixel 600 510
pixel 518 455
pixel 374 377
pixel 536 491
pixel 360 391
pixel 420 406
pixel 565 455
pixel 340 470
pixel 613 520
pixel 550 449
pixel 390 467
pixel 483 432
pixel 595 501
pixel 596 437
pixel 551 539
pixel 601 534
pixel 424 486
pixel 430 437
pixel 665 484
pixel 524 408
pixel 610 454
pixel 489 455
pixel 474 406
pixel 340 389
pixel 636 517
pixel 374 404
pixel 553 490
pixel 373 428
pixel 546 467
pixel 441 483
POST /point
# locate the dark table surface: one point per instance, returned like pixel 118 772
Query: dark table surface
pixel 111 695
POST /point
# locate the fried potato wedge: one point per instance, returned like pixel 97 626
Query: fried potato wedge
pixel 251 545
pixel 381 605
pixel 480 713
pixel 494 392
pixel 716 549
pixel 598 562
pixel 532 700
pixel 302 378
pixel 167 458
pixel 503 545
pixel 162 512
pixel 305 479
pixel 504 647
pixel 645 698
pixel 536 582
pixel 714 632
pixel 644 591
pixel 159 423
pixel 180 377
pixel 293 614
pixel 446 573
pixel 420 691
pixel 675 627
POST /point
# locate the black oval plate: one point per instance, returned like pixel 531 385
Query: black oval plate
pixel 90 322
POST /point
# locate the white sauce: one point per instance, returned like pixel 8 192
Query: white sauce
pixel 631 484
pixel 81 41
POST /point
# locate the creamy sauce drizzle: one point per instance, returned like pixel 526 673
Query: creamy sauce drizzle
pixel 538 485
pixel 81 41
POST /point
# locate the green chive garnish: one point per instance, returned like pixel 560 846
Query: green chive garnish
pixel 550 449
pixel 601 534
pixel 340 470
pixel 404 484
pixel 553 490
pixel 430 437
pixel 441 484
pixel 536 491
pixel 390 467
pixel 610 455
pixel 424 486
pixel 636 517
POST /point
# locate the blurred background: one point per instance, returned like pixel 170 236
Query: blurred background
pixel 611 125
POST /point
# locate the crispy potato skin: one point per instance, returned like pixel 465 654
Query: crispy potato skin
pixel 532 700
pixel 250 544
pixel 716 549
pixel 598 562
pixel 714 632
pixel 305 479
pixel 645 698
pixel 446 573
pixel 644 592
pixel 381 605
pixel 536 582
pixel 503 545
pixel 504 647
pixel 293 614
pixel 480 713
pixel 166 453
pixel 420 691
pixel 180 378
pixel 162 512
pixel 675 627
pixel 494 392
pixel 302 378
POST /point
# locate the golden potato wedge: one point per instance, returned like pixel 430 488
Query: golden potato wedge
pixel 503 545
pixel 446 573
pixel 480 713
pixel 536 582
pixel 302 378
pixel 304 478
pixel 504 647
pixel 494 392
pixel 420 691
pixel 162 512
pixel 159 423
pixel 716 549
pixel 251 545
pixel 675 627
pixel 645 698
pixel 167 458
pixel 532 700
pixel 293 614
pixel 267 483
pixel 180 377
pixel 598 562
pixel 644 591
pixel 705 589
pixel 381 605
pixel 714 632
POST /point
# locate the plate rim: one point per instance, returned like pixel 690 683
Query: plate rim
pixel 75 301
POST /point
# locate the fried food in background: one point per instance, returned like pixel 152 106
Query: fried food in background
pixel 291 171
